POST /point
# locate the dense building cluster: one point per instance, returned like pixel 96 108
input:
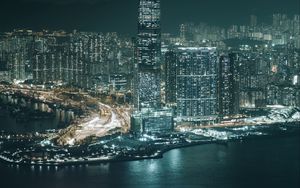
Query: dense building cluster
pixel 79 59
pixel 283 30
pixel 204 74
pixel 257 66
pixel 229 82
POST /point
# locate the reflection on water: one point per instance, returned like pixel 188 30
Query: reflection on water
pixel 271 162
pixel 58 118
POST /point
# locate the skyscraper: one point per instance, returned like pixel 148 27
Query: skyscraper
pixel 253 20
pixel 183 33
pixel 170 73
pixel 227 85
pixel 147 56
pixel 149 117
pixel 196 84
pixel 16 65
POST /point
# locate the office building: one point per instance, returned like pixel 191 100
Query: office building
pixel 147 56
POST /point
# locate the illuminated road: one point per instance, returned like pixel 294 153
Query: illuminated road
pixel 98 121
pixel 110 121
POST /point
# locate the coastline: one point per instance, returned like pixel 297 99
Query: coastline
pixel 156 152
pixel 95 162
pixel 160 153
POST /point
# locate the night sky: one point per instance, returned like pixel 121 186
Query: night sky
pixel 121 15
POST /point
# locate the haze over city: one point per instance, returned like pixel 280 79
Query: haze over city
pixel 120 16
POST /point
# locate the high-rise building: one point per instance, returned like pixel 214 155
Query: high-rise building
pixel 196 84
pixel 228 85
pixel 252 80
pixel 50 61
pixel 183 33
pixel 170 73
pixel 149 117
pixel 253 20
pixel 148 51
pixel 16 66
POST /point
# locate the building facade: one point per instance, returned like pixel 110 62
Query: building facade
pixel 147 56
pixel 152 121
pixel 196 83
pixel 228 87
pixel 170 74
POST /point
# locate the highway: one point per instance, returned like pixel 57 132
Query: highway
pixel 99 120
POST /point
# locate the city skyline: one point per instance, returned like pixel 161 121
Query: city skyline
pixel 112 93
pixel 120 15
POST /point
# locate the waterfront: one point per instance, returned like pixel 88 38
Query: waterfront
pixel 266 161
pixel 45 148
pixel 262 162
pixel 23 121
pixel 149 93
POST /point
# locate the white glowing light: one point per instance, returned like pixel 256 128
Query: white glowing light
pixel 295 80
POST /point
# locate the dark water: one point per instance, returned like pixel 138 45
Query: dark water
pixel 8 123
pixel 60 119
pixel 263 162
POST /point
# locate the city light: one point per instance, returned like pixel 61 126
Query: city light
pixel 77 98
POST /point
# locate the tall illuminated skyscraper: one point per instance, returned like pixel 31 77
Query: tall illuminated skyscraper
pixel 196 85
pixel 147 56
pixel 149 117
pixel 170 74
pixel 228 88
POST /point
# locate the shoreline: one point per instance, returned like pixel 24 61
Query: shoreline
pixel 160 153
pixel 96 162
pixel 162 148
